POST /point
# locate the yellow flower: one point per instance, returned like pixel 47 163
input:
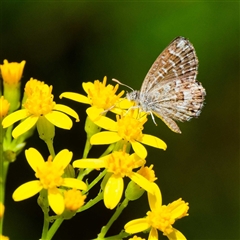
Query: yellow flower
pixel 119 164
pixel 99 95
pixel 128 127
pixel 73 199
pixel 4 107
pixel 161 217
pixel 50 178
pixel 39 103
pixel 12 72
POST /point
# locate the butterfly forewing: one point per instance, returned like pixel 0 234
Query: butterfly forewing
pixel 177 60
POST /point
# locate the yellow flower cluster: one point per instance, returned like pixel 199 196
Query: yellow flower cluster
pixel 57 183
pixel 124 133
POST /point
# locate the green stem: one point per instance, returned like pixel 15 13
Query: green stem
pixel 45 228
pixel 95 181
pixel 43 203
pixel 120 236
pixel 53 229
pixel 108 150
pixel 91 202
pixel 84 172
pixel 114 217
pixel 87 148
pixel 50 147
pixel 3 175
pixel 8 137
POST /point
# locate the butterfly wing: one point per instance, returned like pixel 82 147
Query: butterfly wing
pixel 180 99
pixel 170 89
pixel 177 60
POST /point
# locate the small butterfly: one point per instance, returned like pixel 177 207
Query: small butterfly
pixel 170 89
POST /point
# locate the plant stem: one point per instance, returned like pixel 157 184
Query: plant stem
pixel 50 148
pixel 91 202
pixel 96 180
pixel 54 228
pixel 43 203
pixel 114 217
pixel 3 175
pixel 87 148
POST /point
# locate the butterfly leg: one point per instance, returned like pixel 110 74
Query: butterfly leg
pixel 153 118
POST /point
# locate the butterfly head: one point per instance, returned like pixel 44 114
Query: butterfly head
pixel 133 96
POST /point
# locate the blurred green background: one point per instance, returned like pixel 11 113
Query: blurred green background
pixel 67 43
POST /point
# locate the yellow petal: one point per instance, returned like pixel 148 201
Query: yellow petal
pixel 179 209
pixel 95 114
pixel 113 191
pixel 104 138
pixel 67 110
pixel 86 86
pixel 138 162
pixel 74 183
pixel 139 149
pixel 27 190
pixel 155 198
pixel 75 97
pixel 124 103
pixel 34 158
pixel 56 201
pixel 153 235
pixel 176 235
pixel 153 141
pixel 63 158
pixel 14 117
pixel 142 182
pixel 89 163
pixel 59 119
pixel 137 225
pixel 24 126
pixel 118 111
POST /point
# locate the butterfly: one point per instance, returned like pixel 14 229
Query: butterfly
pixel 170 90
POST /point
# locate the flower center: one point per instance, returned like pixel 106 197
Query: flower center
pixel 50 174
pixel 39 98
pixel 129 127
pixel 161 219
pixel 104 96
pixel 120 163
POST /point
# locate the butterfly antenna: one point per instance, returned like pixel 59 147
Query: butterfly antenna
pixel 115 80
